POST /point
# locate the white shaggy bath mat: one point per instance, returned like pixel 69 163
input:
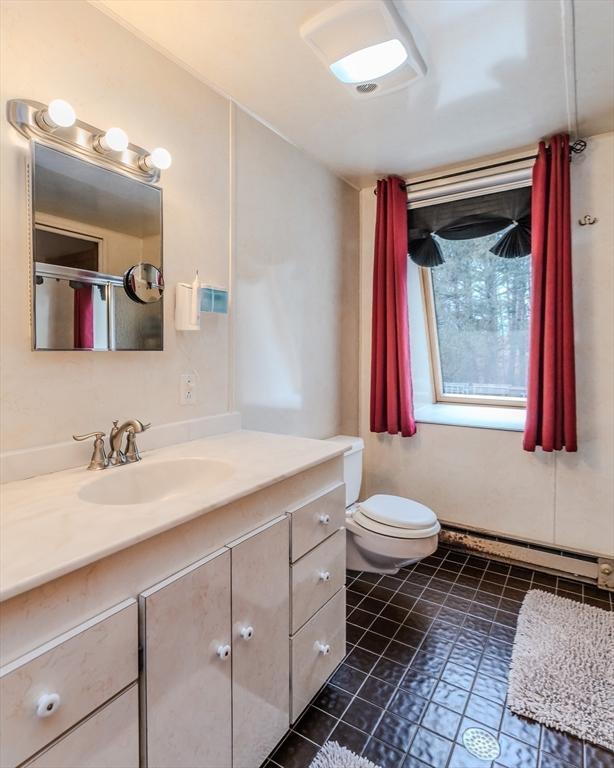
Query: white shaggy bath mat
pixel 334 756
pixel 562 671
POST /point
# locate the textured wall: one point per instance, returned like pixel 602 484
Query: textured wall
pixel 296 289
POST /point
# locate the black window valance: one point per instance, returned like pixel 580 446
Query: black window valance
pixel 470 218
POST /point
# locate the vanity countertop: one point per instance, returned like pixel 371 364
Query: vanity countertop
pixel 47 530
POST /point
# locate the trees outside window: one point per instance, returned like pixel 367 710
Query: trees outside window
pixel 478 308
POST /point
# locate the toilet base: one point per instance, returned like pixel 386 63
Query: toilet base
pixel 376 553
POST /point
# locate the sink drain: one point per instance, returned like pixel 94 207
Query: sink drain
pixel 481 744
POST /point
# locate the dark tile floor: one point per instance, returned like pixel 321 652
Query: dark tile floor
pixel 428 652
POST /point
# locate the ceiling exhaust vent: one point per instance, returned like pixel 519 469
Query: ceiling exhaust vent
pixel 366 87
pixel 367 46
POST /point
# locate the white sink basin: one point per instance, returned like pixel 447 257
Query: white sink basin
pixel 148 482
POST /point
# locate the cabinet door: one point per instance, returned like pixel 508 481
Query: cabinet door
pixel 107 739
pixel 317 648
pixel 186 685
pixel 260 620
pixel 75 673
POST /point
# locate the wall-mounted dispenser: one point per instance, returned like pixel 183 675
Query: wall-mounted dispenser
pixel 213 299
pixel 192 299
pixel 187 305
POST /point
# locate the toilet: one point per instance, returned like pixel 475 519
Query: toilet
pixel 384 532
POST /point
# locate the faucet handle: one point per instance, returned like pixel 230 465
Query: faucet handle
pixel 132 451
pixel 99 457
pixel 89 434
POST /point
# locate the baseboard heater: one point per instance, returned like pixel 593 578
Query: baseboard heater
pixel 590 568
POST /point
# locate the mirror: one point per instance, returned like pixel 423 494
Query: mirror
pixel 144 283
pixel 97 257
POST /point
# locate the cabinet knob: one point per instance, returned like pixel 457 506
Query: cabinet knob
pixel 47 704
pixel 322 648
pixel 247 632
pixel 324 575
pixel 223 651
pixel 324 519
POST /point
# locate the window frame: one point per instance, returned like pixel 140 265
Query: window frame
pixel 77 235
pixel 428 304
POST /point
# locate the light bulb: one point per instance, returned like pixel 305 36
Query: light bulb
pixel 114 140
pixel 159 158
pixel 370 63
pixel 59 114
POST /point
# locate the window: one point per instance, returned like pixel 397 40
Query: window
pixel 476 282
pixel 66 249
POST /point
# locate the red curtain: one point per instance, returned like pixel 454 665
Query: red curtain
pixel 391 388
pixel 551 398
pixel 84 317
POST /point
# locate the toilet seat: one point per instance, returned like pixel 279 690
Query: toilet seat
pixel 397 517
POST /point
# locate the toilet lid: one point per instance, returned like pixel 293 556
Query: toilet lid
pixel 398 512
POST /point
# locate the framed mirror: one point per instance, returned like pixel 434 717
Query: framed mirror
pixel 96 257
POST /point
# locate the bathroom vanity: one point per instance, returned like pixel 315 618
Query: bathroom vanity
pixel 187 622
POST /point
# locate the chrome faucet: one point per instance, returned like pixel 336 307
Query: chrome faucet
pixel 116 457
pixel 131 427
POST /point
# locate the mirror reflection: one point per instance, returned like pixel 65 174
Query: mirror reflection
pixel 144 283
pixel 96 234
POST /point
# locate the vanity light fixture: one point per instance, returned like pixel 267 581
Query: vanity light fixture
pixel 56 124
pixel 159 158
pixel 59 114
pixel 114 140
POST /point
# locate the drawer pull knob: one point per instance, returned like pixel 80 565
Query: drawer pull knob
pixel 324 575
pixel 322 648
pixel 223 651
pixel 47 704
pixel 324 519
pixel 247 633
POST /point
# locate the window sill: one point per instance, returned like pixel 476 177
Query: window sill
pixel 482 417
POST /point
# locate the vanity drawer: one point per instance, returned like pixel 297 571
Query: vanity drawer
pixel 311 667
pixel 316 520
pixel 316 577
pixel 107 739
pixel 80 669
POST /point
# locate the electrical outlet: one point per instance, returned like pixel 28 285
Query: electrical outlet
pixel 187 389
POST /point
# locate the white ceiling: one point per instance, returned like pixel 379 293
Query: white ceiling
pixel 500 76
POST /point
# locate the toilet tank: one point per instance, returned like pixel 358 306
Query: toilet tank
pixel 352 466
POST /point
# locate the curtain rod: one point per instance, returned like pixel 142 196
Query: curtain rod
pixel 576 148
pixel 472 170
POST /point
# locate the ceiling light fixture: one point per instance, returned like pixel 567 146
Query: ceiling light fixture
pixel 367 46
pixel 114 140
pixel 370 63
pixel 59 114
